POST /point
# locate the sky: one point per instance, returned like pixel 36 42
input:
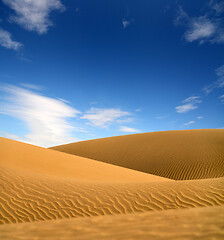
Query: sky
pixel 74 70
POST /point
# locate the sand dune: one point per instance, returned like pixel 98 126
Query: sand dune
pixel 197 223
pixel 179 155
pixel 30 197
pixel 81 196
pixel 26 157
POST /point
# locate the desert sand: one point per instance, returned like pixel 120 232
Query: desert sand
pixel 184 224
pixel 179 155
pixel 103 192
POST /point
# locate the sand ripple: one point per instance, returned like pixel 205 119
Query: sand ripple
pixel 198 223
pixel 26 197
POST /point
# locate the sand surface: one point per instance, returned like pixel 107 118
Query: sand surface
pixel 48 194
pixel 184 224
pixel 189 154
pixel 33 159
pixel 29 197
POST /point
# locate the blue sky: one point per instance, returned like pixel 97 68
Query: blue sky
pixel 78 70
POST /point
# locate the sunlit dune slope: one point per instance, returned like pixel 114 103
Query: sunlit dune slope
pixel 179 155
pixel 30 197
pixel 26 157
pixel 38 184
pixel 184 224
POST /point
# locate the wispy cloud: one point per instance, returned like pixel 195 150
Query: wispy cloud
pixel 31 86
pixel 46 118
pixel 34 15
pixel 218 6
pixel 208 27
pixel 200 28
pixel 102 117
pixel 125 23
pixel 7 42
pixel 189 123
pixel 190 103
pixel 128 129
pixel 221 98
pixel 218 83
pixel 200 117
pixel 125 120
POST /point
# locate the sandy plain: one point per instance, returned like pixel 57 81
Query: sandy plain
pixel 98 189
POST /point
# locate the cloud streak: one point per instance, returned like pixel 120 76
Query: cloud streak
pixel 102 117
pixel 189 123
pixel 7 42
pixel 190 104
pixel 46 118
pixel 217 84
pixel 33 15
pixel 128 129
pixel 221 98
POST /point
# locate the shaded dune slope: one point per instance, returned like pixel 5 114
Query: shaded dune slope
pixel 179 155
pixel 31 197
pixel 184 224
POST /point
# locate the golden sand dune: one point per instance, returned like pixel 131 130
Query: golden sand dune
pixel 185 224
pixel 30 197
pixel 179 155
pixel 26 157
pixel 38 184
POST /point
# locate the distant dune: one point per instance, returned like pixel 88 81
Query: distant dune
pixel 179 155
pixel 33 159
pixel 81 195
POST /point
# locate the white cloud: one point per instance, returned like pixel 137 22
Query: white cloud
pixel 128 129
pixel 208 27
pixel 191 99
pixel 33 15
pixel 217 84
pixel 190 103
pixel 101 117
pixel 46 118
pixel 189 123
pixel 200 29
pixel 7 42
pixel 125 120
pixel 185 108
pixel 221 98
pixel 200 117
pixel 125 23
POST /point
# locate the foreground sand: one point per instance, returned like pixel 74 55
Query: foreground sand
pixel 29 197
pixel 81 196
pixel 179 155
pixel 197 223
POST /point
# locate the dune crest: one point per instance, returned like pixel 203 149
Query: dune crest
pixel 178 155
pixel 38 160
